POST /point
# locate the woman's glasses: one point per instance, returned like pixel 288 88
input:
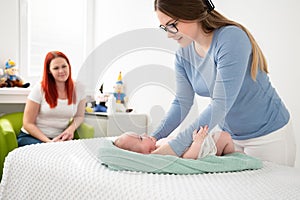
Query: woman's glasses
pixel 171 28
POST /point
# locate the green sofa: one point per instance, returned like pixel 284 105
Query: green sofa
pixel 10 126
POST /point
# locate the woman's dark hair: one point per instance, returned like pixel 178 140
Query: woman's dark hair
pixel 198 10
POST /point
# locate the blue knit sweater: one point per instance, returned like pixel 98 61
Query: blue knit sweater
pixel 239 105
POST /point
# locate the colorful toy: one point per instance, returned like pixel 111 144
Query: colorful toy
pixel 2 79
pixel 12 79
pixel 101 101
pixel 90 103
pixel 119 95
pixel 118 88
pixel 89 108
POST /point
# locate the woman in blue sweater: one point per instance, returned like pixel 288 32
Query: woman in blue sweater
pixel 220 59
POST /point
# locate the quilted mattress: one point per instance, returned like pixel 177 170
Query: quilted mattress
pixel 72 170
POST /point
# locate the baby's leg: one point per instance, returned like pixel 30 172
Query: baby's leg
pixel 224 143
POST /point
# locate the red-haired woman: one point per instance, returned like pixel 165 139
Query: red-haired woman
pixel 52 103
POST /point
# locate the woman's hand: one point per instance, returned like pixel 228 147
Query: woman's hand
pixel 64 136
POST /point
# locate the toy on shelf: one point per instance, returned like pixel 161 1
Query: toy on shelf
pixel 111 102
pixel 119 95
pixel 89 108
pixel 90 103
pixel 101 101
pixel 12 79
pixel 2 79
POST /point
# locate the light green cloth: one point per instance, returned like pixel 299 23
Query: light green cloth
pixel 118 159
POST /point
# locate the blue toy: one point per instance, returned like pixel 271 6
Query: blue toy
pixel 118 94
pixel 101 107
pixel 12 79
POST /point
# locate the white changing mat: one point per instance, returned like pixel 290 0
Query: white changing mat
pixel 71 170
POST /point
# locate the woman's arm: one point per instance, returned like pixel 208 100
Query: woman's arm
pixel 30 114
pixel 193 150
pixel 79 116
pixel 68 133
pixel 181 104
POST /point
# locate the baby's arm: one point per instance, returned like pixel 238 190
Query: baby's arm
pixel 198 138
pixel 164 149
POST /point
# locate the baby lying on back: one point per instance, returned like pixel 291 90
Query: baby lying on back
pixel 218 143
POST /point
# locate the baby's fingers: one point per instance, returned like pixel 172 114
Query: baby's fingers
pixel 203 133
pixel 201 129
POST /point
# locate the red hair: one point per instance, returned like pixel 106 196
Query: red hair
pixel 48 81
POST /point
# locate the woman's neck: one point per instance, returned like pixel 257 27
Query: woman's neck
pixel 61 90
pixel 202 42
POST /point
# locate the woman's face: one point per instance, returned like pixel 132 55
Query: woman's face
pixel 59 69
pixel 187 31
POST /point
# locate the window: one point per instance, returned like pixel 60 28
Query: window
pixel 52 25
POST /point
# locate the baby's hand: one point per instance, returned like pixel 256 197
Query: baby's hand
pixel 199 136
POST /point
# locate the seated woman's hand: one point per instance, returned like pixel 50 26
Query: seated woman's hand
pixel 64 136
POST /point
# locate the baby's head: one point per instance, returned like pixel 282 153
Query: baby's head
pixel 135 142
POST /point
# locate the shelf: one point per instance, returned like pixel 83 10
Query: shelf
pixel 108 125
pixel 14 95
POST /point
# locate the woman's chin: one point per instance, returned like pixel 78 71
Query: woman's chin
pixel 183 43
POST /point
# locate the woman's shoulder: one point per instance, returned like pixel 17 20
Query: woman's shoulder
pixel 228 37
pixel 36 93
pixel 37 87
pixel 230 32
pixel 80 88
pixel 229 28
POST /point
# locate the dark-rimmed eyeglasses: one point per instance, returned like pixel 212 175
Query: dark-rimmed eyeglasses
pixel 171 28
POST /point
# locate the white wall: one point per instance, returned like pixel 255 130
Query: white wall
pixel 273 23
pixel 9 34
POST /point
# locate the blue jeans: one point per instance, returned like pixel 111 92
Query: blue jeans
pixel 26 139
